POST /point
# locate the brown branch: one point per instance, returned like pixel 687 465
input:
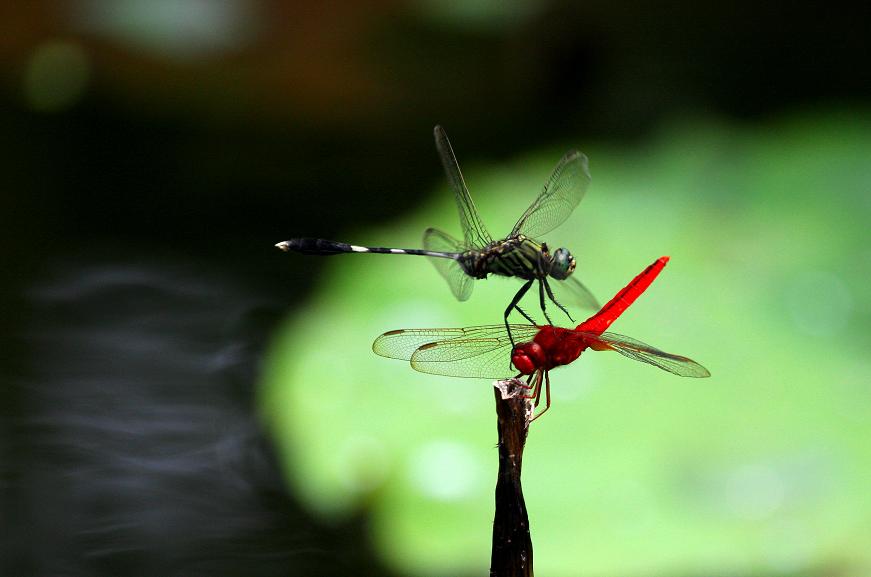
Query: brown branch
pixel 512 545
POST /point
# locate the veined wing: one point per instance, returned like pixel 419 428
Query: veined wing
pixel 636 350
pixel 474 232
pixel 563 191
pixel 571 292
pixel 483 352
pixel 484 359
pixel 402 343
pixel 461 284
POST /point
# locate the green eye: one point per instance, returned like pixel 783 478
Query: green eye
pixel 563 264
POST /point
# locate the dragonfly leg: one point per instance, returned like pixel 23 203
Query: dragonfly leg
pixel 546 395
pixel 534 388
pixel 513 305
pixel 554 301
pixel 527 386
pixel 525 315
pixel 531 385
pixel 541 285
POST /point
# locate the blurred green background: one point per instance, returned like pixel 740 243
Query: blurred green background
pixel 760 470
pixel 177 397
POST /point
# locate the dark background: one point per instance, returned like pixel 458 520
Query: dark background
pixel 138 211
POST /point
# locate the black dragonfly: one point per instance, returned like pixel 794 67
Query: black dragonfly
pixel 477 255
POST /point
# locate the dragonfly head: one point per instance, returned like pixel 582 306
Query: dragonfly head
pixel 563 264
pixel 528 357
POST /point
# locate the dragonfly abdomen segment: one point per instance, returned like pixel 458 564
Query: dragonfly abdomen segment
pixel 600 321
pixel 325 247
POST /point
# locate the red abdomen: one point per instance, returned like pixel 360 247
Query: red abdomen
pixel 600 321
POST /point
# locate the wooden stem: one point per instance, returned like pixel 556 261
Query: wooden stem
pixel 512 545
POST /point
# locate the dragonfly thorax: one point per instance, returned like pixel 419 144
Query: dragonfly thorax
pixel 515 256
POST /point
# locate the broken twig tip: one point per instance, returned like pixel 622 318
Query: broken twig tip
pixel 515 388
pixel 509 388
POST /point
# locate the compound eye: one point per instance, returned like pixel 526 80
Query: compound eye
pixel 563 264
pixel 527 357
pixel 522 363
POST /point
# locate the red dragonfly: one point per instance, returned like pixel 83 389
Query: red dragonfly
pixel 482 352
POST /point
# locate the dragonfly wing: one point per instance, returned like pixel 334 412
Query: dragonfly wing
pixel 483 352
pixel 485 359
pixel 401 344
pixel 461 284
pixel 629 347
pixel 572 292
pixel 474 232
pixel 563 191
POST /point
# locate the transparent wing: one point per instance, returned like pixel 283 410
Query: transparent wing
pixel 482 352
pixel 483 358
pixel 563 191
pixel 461 284
pixel 572 292
pixel 401 343
pixel 629 347
pixel 474 232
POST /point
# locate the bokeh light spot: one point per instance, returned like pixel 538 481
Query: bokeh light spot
pixel 483 14
pixel 180 29
pixel 445 471
pixel 754 491
pixel 56 76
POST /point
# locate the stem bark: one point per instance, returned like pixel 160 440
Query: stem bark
pixel 512 544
